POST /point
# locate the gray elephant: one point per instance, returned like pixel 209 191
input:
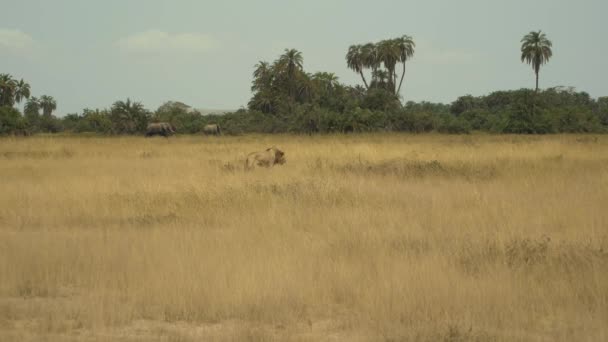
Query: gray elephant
pixel 212 129
pixel 160 128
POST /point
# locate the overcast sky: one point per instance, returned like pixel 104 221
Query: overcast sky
pixel 92 53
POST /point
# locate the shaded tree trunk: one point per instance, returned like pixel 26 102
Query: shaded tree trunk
pixel 401 81
pixel 364 81
pixel 391 78
pixel 536 82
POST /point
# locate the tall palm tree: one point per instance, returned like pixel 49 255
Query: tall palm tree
pixel 22 90
pixel 48 105
pixel 536 51
pixel 8 87
pixel 406 46
pixel 369 55
pixel 292 61
pixel 355 62
pixel 262 76
pixel 389 54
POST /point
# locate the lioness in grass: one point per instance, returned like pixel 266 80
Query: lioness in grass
pixel 267 158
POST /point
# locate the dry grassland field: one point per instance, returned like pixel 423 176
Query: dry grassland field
pixel 356 238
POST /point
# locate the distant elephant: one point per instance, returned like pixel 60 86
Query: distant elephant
pixel 160 128
pixel 212 129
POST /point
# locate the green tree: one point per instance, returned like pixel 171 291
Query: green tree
pixel 389 54
pixel 406 47
pixel 10 120
pixel 326 81
pixel 12 91
pixel 369 55
pixel 22 91
pixel 129 117
pixel 602 108
pixel 356 62
pixel 264 101
pixel 32 107
pixel 95 121
pixel 262 76
pixel 8 86
pixel 48 105
pixel 536 51
pixel 380 80
pixel 181 116
pixel 282 86
pixel 31 112
pixel 292 62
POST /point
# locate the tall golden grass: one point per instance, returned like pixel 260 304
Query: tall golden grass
pixel 356 238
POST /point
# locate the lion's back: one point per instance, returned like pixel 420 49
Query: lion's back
pixel 258 159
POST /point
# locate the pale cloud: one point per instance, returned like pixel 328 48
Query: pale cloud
pixel 15 41
pixel 156 41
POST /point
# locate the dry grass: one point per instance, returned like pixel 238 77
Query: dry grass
pixel 356 238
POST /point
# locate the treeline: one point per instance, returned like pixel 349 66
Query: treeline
pixel 556 110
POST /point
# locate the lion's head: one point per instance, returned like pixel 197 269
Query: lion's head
pixel 279 156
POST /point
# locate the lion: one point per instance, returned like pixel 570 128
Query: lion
pixel 267 158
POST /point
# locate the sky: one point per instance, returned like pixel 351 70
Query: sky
pixel 91 53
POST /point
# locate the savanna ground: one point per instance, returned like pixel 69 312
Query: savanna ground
pixel 356 238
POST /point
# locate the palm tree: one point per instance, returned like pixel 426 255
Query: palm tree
pixel 8 87
pixel 304 87
pixel 22 91
pixel 32 106
pixel 326 81
pixel 369 55
pixel 292 62
pixel 263 101
pixel 129 117
pixel 292 58
pixel 381 79
pixel 356 92
pixel 354 60
pixel 262 76
pixel 536 51
pixel 48 105
pixel 406 46
pixel 389 54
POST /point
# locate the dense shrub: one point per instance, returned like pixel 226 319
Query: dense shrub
pixel 342 109
pixel 11 120
pixel 453 125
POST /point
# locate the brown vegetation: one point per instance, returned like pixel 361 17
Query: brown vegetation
pixel 357 238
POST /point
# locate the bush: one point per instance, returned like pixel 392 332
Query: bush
pixel 182 117
pixel 454 125
pixel 413 121
pixel 50 124
pixel 11 120
pixel 477 118
pixel 380 100
pixel 571 120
